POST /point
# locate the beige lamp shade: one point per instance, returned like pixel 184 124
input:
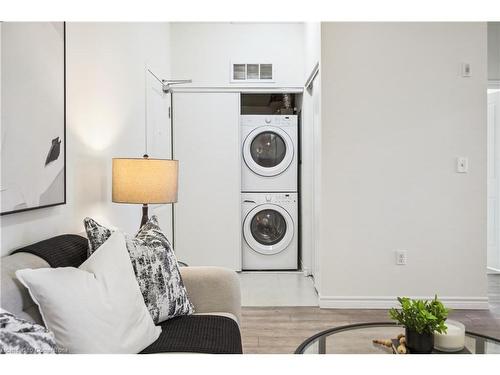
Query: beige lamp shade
pixel 144 180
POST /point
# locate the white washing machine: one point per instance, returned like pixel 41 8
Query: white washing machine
pixel 269 145
pixel 269 230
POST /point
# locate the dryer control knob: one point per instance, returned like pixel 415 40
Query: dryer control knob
pixel 267 120
pixel 268 198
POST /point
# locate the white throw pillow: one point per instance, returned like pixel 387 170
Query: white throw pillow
pixel 96 308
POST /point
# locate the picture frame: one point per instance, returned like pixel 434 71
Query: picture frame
pixel 41 154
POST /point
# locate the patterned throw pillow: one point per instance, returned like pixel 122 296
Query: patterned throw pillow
pixel 18 336
pixel 96 234
pixel 155 267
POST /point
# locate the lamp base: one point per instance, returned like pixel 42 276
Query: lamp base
pixel 145 218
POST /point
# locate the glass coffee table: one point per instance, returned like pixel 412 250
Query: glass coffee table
pixel 357 339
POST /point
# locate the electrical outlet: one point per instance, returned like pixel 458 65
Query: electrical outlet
pixel 401 257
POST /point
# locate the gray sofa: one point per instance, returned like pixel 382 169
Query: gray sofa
pixel 212 290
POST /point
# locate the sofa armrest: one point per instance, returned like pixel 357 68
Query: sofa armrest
pixel 213 289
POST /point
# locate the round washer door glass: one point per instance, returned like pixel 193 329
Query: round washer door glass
pixel 268 227
pixel 268 149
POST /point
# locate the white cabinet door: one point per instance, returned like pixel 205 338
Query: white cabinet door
pixel 207 223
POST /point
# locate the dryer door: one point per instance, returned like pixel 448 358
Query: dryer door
pixel 268 229
pixel 268 151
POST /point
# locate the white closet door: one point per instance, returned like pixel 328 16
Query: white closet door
pixel 207 222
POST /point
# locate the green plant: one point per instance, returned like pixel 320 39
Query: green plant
pixel 420 315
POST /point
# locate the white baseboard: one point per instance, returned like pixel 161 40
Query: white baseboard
pixel 361 302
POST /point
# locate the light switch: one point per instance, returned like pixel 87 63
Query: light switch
pixel 462 164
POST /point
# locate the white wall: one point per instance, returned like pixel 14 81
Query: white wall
pixel 105 119
pixel 494 50
pixel 395 115
pixel 203 51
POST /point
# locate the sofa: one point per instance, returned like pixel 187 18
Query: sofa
pixel 214 292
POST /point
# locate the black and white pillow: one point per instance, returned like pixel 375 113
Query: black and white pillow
pixel 96 234
pixel 18 336
pixel 155 267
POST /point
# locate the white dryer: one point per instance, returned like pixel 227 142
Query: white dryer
pixel 269 231
pixel 269 144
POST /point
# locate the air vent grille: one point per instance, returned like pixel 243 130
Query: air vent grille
pixel 258 73
pixel 266 71
pixel 239 72
pixel 253 71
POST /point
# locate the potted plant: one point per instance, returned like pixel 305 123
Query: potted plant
pixel 421 319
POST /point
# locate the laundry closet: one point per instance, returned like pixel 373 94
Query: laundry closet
pixel 239 155
pixel 238 134
pixel 269 182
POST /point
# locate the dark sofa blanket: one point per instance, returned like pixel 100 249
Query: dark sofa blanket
pixel 67 250
pixel 211 334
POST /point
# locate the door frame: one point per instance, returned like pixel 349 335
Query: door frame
pixel 310 175
pixel 493 130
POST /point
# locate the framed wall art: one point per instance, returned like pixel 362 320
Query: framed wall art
pixel 33 115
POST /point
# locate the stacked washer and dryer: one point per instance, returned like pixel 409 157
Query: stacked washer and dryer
pixel 269 192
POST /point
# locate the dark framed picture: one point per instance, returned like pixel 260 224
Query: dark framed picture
pixel 33 115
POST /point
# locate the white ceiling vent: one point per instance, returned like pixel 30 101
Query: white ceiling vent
pixel 257 73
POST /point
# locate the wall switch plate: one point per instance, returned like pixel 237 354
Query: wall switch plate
pixel 462 164
pixel 401 257
pixel 466 70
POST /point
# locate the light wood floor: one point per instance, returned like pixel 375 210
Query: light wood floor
pixel 282 329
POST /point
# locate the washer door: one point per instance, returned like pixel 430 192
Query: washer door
pixel 268 229
pixel 268 151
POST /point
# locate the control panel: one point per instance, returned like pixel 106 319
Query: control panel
pixel 279 198
pixel 270 120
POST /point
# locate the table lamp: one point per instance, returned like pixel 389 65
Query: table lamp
pixel 144 181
